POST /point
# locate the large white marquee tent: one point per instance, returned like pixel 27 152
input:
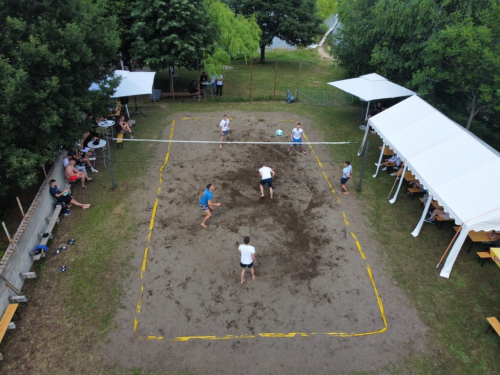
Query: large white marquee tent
pixel 460 171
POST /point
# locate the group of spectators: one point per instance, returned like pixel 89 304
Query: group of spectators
pixel 81 157
pixel 216 83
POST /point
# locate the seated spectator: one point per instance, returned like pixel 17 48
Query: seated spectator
pixel 495 240
pixel 73 174
pixel 64 197
pixel 84 146
pixel 193 89
pixel 394 161
pixel 417 184
pixel 122 127
pixel 437 212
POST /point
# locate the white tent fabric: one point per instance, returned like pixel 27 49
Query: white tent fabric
pixel 134 83
pixel 131 84
pixel 371 87
pixel 459 170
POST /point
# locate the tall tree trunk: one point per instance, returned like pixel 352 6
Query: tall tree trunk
pixel 472 112
pixel 263 54
pixel 171 81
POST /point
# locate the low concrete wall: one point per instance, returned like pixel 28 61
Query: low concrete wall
pixel 16 259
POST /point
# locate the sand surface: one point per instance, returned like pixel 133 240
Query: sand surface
pixel 311 279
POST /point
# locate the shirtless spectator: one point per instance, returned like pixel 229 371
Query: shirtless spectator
pixel 72 174
pixel 122 126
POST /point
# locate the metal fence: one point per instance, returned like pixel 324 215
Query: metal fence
pixel 248 81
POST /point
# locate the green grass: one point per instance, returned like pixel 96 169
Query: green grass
pixel 78 307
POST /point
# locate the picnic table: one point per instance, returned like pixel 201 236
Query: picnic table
pixel 481 236
pixel 387 151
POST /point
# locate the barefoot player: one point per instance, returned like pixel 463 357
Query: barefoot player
pixel 346 175
pixel 206 204
pixel 247 258
pixel 224 130
pixel 266 177
pixel 296 138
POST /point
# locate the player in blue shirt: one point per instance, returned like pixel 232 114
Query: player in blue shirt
pixel 206 204
pixel 346 175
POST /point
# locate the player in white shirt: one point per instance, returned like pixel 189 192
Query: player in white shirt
pixel 296 138
pixel 224 129
pixel 247 258
pixel 266 177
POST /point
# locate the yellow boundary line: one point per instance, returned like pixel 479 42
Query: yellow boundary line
pixel 264 334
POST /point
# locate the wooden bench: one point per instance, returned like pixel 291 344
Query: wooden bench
pixel 441 220
pixel 413 191
pixel 177 95
pixel 494 325
pixel 51 223
pixel 119 140
pixel 6 319
pixel 483 256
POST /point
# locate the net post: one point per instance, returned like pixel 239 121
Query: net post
pixel 224 83
pixel 363 167
pixel 251 79
pixel 275 77
pixel 199 91
pixel 298 83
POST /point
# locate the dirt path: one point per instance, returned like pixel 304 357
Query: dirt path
pixel 324 54
pixel 312 291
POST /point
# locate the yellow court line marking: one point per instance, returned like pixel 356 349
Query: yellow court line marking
pixel 145 257
pixel 264 334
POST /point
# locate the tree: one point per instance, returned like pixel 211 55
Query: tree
pixel 464 59
pixel 294 21
pixel 235 36
pixel 171 33
pixel 50 52
pixel 326 8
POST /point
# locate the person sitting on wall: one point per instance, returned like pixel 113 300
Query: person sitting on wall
pixel 72 174
pixel 122 126
pixel 65 197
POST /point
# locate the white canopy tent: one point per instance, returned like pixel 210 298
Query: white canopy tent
pixel 458 169
pixel 131 84
pixel 371 87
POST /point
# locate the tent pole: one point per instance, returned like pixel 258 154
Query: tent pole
pixel 416 231
pixel 380 159
pixel 453 239
pixel 401 178
pixel 126 109
pixel 366 131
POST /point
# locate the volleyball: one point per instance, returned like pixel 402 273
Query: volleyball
pixel 279 132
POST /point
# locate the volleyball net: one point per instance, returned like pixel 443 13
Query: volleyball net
pixel 242 152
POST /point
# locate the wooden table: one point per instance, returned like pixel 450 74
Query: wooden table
pixel 434 203
pixel 480 236
pixel 387 151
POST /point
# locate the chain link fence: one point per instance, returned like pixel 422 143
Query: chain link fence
pixel 248 81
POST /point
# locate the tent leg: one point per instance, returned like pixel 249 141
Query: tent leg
pixel 126 109
pixel 137 109
pixel 366 131
pixel 416 231
pixel 380 159
pixel 445 272
pixel 401 178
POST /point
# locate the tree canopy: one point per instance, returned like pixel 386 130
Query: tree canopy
pixel 50 52
pixel 446 50
pixel 186 32
pixel 294 21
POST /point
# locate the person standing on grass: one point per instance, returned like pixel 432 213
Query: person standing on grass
pixel 247 258
pixel 206 204
pixel 224 130
pixel 346 175
pixel 266 177
pixel 296 138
